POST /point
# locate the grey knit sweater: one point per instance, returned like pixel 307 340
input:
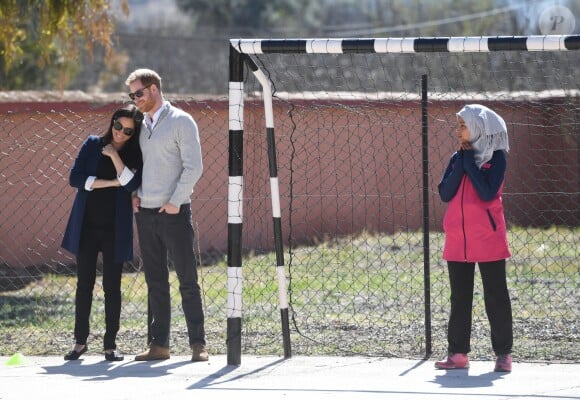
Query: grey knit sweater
pixel 172 162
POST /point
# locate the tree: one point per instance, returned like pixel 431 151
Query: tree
pixel 54 31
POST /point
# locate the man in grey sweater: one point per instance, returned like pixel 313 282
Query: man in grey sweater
pixel 172 165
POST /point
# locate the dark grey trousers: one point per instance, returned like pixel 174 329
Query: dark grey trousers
pixel 162 235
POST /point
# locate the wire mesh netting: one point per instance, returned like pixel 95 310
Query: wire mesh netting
pixel 348 138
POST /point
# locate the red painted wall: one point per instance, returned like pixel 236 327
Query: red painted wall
pixel 363 172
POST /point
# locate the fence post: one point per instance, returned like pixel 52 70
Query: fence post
pixel 426 253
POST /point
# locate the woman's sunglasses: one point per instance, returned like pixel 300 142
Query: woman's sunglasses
pixel 119 126
pixel 138 93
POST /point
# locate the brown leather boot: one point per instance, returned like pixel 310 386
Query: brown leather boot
pixel 155 352
pixel 199 352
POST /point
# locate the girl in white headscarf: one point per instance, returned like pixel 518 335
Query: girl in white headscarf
pixel 488 132
pixel 475 232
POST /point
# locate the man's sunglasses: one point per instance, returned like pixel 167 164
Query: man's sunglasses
pixel 138 93
pixel 119 126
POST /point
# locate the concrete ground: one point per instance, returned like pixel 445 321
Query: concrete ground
pixel 298 378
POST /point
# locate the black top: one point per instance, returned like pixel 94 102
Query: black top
pixel 100 209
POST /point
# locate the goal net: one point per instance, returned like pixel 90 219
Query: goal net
pixel 336 150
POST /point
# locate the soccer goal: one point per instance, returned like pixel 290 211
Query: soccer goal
pixel 336 147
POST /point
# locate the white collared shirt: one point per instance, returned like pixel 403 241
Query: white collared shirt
pixel 152 120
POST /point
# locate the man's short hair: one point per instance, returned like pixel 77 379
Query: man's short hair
pixel 146 76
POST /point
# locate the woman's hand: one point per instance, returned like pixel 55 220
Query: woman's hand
pixel 109 151
pixel 465 146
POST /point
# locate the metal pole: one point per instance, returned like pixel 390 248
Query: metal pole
pixel 276 213
pixel 426 253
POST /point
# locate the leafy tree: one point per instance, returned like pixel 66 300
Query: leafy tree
pixel 35 34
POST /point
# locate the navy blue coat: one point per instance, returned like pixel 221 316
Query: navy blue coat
pixel 86 165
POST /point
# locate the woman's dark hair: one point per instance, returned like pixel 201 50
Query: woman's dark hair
pixel 131 152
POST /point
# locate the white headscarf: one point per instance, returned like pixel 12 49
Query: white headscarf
pixel 488 131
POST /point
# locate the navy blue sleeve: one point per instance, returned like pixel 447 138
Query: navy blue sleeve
pixel 488 179
pixel 78 174
pixel 135 182
pixel 452 177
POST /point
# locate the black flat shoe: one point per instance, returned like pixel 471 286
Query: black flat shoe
pixel 74 355
pixel 114 356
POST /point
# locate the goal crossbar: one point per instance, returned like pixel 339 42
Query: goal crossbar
pixel 409 45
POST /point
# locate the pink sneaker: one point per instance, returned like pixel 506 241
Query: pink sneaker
pixel 503 363
pixel 453 361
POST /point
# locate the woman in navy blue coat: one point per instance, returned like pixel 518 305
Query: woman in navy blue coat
pixel 106 172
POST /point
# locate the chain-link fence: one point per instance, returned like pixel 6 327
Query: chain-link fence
pixel 348 137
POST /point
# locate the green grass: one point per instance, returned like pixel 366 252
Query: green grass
pixel 361 295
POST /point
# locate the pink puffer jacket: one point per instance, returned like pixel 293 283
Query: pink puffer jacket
pixel 475 230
